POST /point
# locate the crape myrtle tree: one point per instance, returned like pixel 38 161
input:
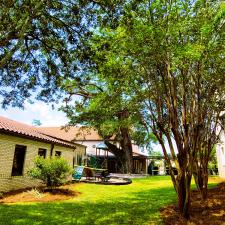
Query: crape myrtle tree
pixel 187 89
pixel 172 57
pixel 206 145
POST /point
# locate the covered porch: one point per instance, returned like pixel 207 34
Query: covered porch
pixel 105 159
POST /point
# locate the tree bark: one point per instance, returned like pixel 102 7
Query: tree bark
pixel 201 178
pixel 183 192
pixel 122 157
pixel 127 149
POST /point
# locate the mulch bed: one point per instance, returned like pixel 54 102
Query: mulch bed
pixel 39 195
pixel 210 212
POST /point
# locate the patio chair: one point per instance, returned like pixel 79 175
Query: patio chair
pixel 78 172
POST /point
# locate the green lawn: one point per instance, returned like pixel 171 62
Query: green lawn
pixel 137 203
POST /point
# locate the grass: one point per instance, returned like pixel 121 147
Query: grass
pixel 138 203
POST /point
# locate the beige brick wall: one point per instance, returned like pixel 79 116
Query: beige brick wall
pixel 7 149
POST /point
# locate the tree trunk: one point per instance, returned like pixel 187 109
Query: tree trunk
pixel 201 178
pixel 127 149
pixel 204 190
pixel 125 141
pixel 122 157
pixel 183 193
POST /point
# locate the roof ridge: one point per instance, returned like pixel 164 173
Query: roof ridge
pixel 9 125
pixel 49 135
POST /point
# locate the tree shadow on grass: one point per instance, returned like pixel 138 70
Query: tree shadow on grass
pixel 141 207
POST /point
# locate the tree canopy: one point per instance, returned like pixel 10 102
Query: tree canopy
pixel 39 43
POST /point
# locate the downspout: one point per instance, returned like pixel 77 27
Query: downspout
pixel 74 153
pixel 85 154
pixel 51 150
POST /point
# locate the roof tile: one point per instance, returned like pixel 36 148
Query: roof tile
pixel 72 133
pixel 11 126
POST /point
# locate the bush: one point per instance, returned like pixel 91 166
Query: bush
pixel 53 172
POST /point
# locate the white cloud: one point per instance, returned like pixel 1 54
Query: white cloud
pixel 38 110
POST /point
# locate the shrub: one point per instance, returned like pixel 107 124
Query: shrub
pixel 53 172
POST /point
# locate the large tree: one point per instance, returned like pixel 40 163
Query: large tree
pixel 104 105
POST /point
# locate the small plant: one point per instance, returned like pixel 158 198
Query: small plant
pixel 53 172
pixel 1 195
pixel 36 193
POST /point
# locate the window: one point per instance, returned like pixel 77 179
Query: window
pixel 58 153
pixel 18 160
pixel 42 152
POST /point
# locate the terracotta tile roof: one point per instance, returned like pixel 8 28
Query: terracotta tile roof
pixel 14 127
pixel 72 133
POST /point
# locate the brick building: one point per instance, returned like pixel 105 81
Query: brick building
pixel 96 147
pixel 20 144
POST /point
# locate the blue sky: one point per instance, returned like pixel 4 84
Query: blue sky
pixel 39 110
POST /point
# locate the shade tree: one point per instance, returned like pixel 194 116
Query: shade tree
pixel 39 44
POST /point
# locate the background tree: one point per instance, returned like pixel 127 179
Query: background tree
pixel 213 163
pixel 104 106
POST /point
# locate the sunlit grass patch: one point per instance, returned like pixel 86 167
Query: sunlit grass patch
pixel 137 203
